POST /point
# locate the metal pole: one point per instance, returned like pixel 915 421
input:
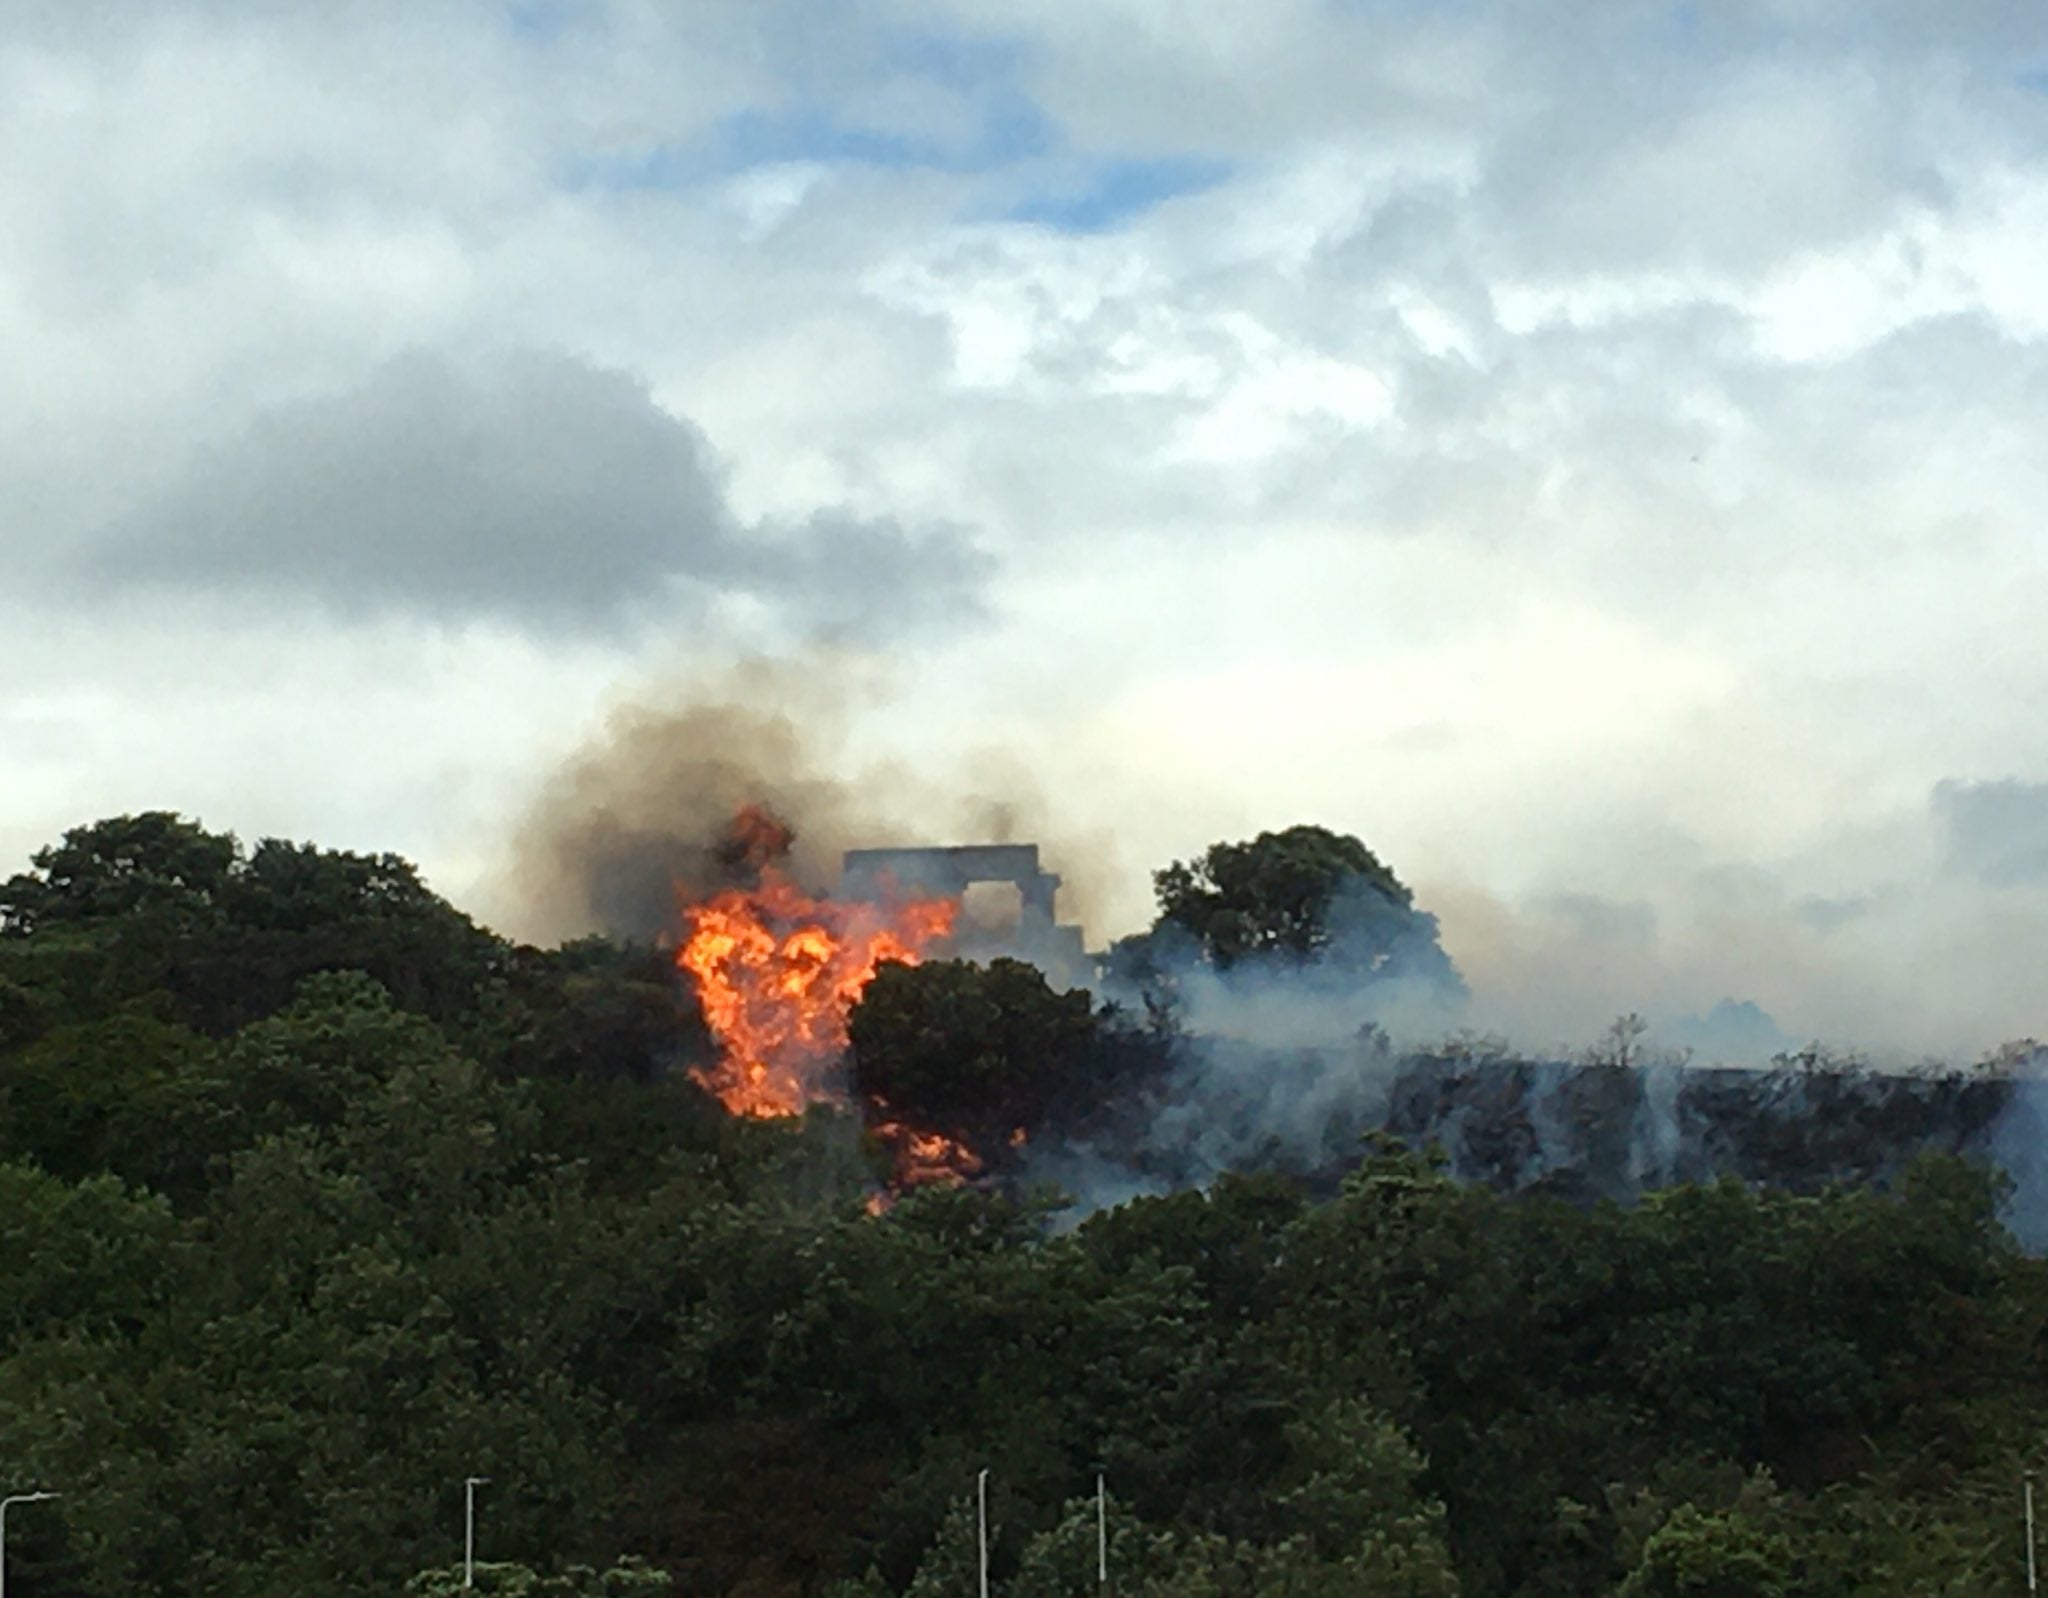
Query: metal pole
pixel 469 1486
pixel 2029 1491
pixel 17 1498
pixel 982 1529
pixel 1101 1531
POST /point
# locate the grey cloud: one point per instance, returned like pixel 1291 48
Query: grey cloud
pixel 1996 832
pixel 1774 160
pixel 865 576
pixel 530 487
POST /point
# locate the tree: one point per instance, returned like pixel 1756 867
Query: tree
pixel 149 904
pixel 985 1048
pixel 1303 898
pixel 291 910
pixel 1064 1560
pixel 1696 1554
pixel 1620 1047
pixel 1274 894
pixel 339 1038
pixel 126 1093
pixel 157 860
pixel 94 1259
pixel 1353 1494
pixel 951 1565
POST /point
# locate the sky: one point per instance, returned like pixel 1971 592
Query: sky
pixel 1593 454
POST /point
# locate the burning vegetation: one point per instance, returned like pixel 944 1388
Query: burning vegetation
pixel 778 971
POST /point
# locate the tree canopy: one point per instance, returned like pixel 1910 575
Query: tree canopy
pixel 972 1046
pixel 289 1249
pixel 1281 893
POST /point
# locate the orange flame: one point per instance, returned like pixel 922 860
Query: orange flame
pixel 926 1158
pixel 778 971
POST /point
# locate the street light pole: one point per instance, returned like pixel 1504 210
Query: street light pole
pixel 17 1498
pixel 469 1486
pixel 982 1529
pixel 1101 1530
pixel 2028 1488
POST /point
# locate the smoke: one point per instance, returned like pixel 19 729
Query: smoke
pixel 1584 1130
pixel 1290 1066
pixel 1915 933
pixel 638 818
pixel 1274 1061
pixel 1287 1064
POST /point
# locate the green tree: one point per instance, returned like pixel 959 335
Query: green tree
pixel 95 1259
pixel 952 1564
pixel 129 1093
pixel 339 1039
pixel 154 861
pixel 1698 1554
pixel 955 1044
pixel 1352 1491
pixel 1316 902
pixel 1275 894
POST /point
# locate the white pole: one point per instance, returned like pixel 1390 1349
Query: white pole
pixel 1101 1531
pixel 469 1486
pixel 2030 1533
pixel 18 1498
pixel 982 1529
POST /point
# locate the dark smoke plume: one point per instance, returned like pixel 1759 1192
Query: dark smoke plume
pixel 642 816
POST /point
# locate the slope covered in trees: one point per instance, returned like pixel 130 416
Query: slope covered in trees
pixel 316 1199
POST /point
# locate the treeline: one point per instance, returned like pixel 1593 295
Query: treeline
pixel 316 1199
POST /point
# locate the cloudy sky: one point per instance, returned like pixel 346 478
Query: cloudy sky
pixel 1594 453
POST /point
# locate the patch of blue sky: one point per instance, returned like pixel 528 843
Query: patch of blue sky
pixel 1404 10
pixel 1005 137
pixel 967 62
pixel 1106 194
pixel 1009 129
pixel 539 22
pixel 979 72
pixel 2034 78
pixel 816 136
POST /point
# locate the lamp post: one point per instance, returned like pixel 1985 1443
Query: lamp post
pixel 2027 1488
pixel 17 1498
pixel 982 1529
pixel 469 1486
pixel 1101 1527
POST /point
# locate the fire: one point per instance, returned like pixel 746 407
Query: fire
pixel 777 972
pixel 926 1158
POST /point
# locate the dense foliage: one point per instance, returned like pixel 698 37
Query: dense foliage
pixel 316 1199
pixel 1304 902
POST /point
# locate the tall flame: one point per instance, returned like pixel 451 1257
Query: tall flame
pixel 778 971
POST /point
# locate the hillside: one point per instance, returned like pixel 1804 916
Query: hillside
pixel 320 1199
